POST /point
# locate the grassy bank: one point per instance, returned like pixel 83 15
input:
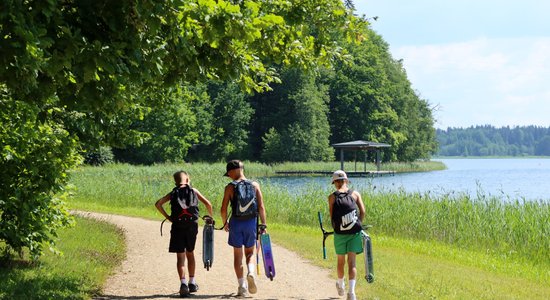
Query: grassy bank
pixel 483 239
pixel 90 251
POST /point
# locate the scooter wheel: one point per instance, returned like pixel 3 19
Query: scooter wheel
pixel 370 278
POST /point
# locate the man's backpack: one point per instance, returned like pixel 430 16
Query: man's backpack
pixel 244 204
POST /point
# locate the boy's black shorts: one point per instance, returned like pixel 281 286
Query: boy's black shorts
pixel 183 237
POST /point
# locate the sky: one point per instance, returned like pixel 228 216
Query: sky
pixel 482 62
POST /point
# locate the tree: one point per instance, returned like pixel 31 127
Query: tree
pixel 77 66
pixel 543 146
pixel 169 130
pixel 230 114
pixel 34 157
pixel 372 99
pixel 294 123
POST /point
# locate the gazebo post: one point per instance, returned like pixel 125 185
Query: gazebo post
pixel 365 162
pixel 342 159
pixel 355 160
pixel 378 160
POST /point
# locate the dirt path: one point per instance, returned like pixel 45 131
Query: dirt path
pixel 149 272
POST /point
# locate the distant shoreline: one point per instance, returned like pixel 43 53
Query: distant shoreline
pixel 490 157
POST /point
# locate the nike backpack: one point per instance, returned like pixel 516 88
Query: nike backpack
pixel 345 214
pixel 244 204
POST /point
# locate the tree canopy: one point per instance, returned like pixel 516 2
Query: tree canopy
pixel 78 74
pixel 182 80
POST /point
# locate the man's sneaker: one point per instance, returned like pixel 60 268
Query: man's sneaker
pixel 184 290
pixel 340 289
pixel 242 292
pixel 351 296
pixel 193 287
pixel 252 288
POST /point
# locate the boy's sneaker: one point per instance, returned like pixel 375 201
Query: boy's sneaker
pixel 340 289
pixel 184 290
pixel 193 287
pixel 252 288
pixel 242 292
pixel 351 296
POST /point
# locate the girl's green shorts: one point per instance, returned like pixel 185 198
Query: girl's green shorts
pixel 344 243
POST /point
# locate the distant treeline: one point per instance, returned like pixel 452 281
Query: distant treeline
pixel 491 141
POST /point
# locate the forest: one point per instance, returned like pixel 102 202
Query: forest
pixel 367 97
pixel 488 140
pixel 153 81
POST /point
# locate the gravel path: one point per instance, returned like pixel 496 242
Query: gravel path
pixel 149 271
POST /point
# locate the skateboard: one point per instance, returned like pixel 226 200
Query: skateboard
pixel 267 255
pixel 208 243
pixel 367 249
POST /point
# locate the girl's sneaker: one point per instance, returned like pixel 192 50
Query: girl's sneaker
pixel 351 296
pixel 193 287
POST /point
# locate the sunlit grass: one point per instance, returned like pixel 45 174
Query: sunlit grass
pixel 481 237
pixel 90 251
pixel 512 229
pixel 413 269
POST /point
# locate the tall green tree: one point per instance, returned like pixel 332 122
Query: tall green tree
pixel 170 130
pixel 372 99
pixel 231 113
pixel 294 125
pixel 34 157
pixel 76 63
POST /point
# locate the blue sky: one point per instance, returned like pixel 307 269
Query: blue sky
pixel 477 62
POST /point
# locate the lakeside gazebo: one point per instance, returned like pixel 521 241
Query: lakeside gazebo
pixel 364 146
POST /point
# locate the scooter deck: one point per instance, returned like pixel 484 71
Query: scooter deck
pixel 369 263
pixel 208 246
pixel 267 255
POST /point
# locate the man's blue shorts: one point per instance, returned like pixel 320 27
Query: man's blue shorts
pixel 242 232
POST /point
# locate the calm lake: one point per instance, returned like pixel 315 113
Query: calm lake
pixel 507 178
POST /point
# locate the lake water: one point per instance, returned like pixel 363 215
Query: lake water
pixel 508 179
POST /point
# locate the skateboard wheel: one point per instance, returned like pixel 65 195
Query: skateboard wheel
pixel 370 278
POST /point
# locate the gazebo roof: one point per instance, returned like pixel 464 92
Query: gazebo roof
pixel 360 145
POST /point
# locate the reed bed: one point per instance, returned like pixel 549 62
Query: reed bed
pixel 515 229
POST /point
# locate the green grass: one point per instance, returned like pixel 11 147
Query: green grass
pixel 90 251
pixel 450 246
pixel 412 269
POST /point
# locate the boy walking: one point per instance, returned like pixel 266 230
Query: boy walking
pixel 346 212
pixel 247 205
pixel 184 215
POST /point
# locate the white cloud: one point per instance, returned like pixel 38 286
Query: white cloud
pixel 483 81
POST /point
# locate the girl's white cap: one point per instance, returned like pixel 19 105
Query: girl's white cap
pixel 338 175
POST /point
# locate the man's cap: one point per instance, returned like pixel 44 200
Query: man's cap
pixel 231 165
pixel 338 175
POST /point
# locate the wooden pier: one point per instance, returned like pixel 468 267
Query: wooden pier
pixel 328 173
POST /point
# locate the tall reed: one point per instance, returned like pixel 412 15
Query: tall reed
pixel 512 228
